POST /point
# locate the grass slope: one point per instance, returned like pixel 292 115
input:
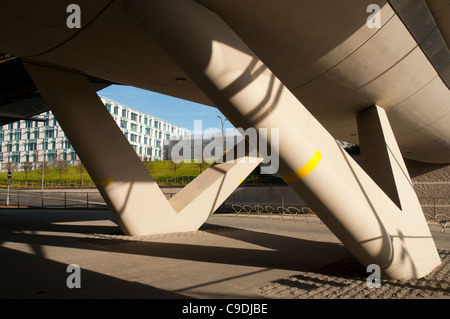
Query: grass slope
pixel 158 169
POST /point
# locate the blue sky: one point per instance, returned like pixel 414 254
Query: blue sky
pixel 176 111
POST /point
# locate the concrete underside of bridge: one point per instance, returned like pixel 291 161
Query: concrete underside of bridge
pixel 355 83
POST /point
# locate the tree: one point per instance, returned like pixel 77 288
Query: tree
pixel 61 167
pixel 11 166
pixel 27 166
pixel 175 166
pixel 149 165
pixel 81 169
pixel 202 165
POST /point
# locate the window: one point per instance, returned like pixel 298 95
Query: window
pixel 51 156
pixel 132 138
pixel 124 112
pixel 116 110
pixel 147 130
pixel 36 134
pixel 32 146
pixel 15 158
pixel 133 127
pixel 67 144
pixel 123 124
pixel 49 133
pixel 28 124
pixel 133 116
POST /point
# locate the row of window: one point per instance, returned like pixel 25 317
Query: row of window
pixel 16 157
pixel 18 135
pixel 32 145
pixel 139 118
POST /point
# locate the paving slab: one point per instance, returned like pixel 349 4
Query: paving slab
pixel 228 258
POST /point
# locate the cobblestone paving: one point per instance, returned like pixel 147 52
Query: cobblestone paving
pixel 331 284
pixel 346 279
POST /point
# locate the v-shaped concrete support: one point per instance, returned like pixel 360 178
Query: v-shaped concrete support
pixel 134 198
pixel 357 210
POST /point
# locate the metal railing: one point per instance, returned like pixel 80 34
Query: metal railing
pixel 284 213
pixel 52 199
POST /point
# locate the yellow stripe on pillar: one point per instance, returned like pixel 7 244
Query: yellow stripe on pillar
pixel 305 170
pixel 105 182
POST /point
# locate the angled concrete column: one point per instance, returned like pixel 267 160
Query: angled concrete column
pixel 347 200
pixel 134 198
pixel 381 158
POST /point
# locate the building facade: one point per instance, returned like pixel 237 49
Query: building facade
pixel 30 143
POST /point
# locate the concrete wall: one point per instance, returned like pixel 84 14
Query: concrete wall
pixel 432 185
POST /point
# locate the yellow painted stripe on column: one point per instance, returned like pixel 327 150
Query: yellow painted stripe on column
pixel 305 170
pixel 105 182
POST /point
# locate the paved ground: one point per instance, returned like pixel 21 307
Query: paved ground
pixel 229 257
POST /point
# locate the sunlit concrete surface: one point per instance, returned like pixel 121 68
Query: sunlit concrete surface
pixel 229 257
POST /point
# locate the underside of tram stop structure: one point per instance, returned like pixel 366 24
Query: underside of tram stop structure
pixel 372 72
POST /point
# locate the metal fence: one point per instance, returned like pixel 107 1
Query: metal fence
pixel 282 205
pixel 52 199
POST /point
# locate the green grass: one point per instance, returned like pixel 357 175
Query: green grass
pixel 159 170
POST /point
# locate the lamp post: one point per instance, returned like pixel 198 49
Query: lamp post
pixel 43 168
pixel 222 122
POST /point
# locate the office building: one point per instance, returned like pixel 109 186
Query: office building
pixel 32 142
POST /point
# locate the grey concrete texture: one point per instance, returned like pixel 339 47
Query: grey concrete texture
pixel 229 257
